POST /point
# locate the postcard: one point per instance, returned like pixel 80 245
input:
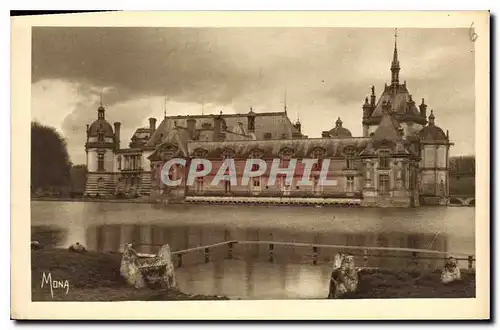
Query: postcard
pixel 251 165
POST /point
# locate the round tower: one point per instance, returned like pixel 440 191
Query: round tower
pixel 99 150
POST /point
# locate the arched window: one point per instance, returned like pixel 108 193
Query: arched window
pixel 317 154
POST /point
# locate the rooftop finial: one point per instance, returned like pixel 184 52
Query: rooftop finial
pixel 338 123
pixel 202 105
pixel 432 118
pixel 373 90
pixel 102 89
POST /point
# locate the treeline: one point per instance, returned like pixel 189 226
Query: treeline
pixel 52 173
pixel 463 175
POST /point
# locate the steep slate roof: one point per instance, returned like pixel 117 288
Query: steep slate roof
pixel 400 99
pixel 271 148
pixel 387 129
pixel 276 123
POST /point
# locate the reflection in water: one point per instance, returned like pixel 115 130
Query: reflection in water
pixel 148 238
pixel 107 226
pixel 255 280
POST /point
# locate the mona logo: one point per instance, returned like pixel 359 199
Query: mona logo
pixel 53 284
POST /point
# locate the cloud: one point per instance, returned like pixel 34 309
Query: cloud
pixel 326 74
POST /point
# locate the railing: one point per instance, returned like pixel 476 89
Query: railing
pixel 439 255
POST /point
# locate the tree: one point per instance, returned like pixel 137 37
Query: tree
pixel 50 165
pixel 78 179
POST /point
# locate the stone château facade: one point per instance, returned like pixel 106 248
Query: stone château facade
pixel 402 159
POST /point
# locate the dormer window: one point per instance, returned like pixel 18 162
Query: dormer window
pixel 384 159
pixel 318 155
pixel 100 137
pixel 350 158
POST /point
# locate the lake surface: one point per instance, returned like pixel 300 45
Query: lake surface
pixel 250 274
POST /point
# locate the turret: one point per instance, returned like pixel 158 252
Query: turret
pixel 423 109
pixel 373 98
pixel 366 108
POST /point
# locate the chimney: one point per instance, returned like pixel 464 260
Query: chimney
pixel 251 121
pixel 298 126
pixel 152 124
pixel 218 124
pixel 117 135
pixel 325 134
pixel 191 127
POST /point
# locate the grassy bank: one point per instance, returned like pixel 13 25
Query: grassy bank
pixel 91 277
pixel 96 277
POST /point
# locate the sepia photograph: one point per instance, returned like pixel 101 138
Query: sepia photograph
pixel 255 163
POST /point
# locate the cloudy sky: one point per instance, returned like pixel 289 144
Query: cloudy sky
pixel 327 72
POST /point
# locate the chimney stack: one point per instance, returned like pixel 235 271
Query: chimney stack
pixel 152 124
pixel 117 135
pixel 191 127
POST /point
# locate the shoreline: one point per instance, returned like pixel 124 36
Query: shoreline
pixel 95 276
pixel 183 202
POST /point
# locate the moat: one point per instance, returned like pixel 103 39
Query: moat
pixel 106 226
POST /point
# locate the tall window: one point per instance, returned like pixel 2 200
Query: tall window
pixel 227 186
pixel 384 159
pixel 318 155
pixel 100 162
pixel 349 159
pixel 256 184
pixel 350 184
pixel 383 184
pixel 119 161
pixel 316 185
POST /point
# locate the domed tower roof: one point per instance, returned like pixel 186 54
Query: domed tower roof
pixel 340 131
pixel 100 125
pixel 431 132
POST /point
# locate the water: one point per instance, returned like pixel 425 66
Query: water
pixel 250 274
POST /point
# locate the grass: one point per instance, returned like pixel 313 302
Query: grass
pixel 92 277
pixel 381 283
pixel 96 276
